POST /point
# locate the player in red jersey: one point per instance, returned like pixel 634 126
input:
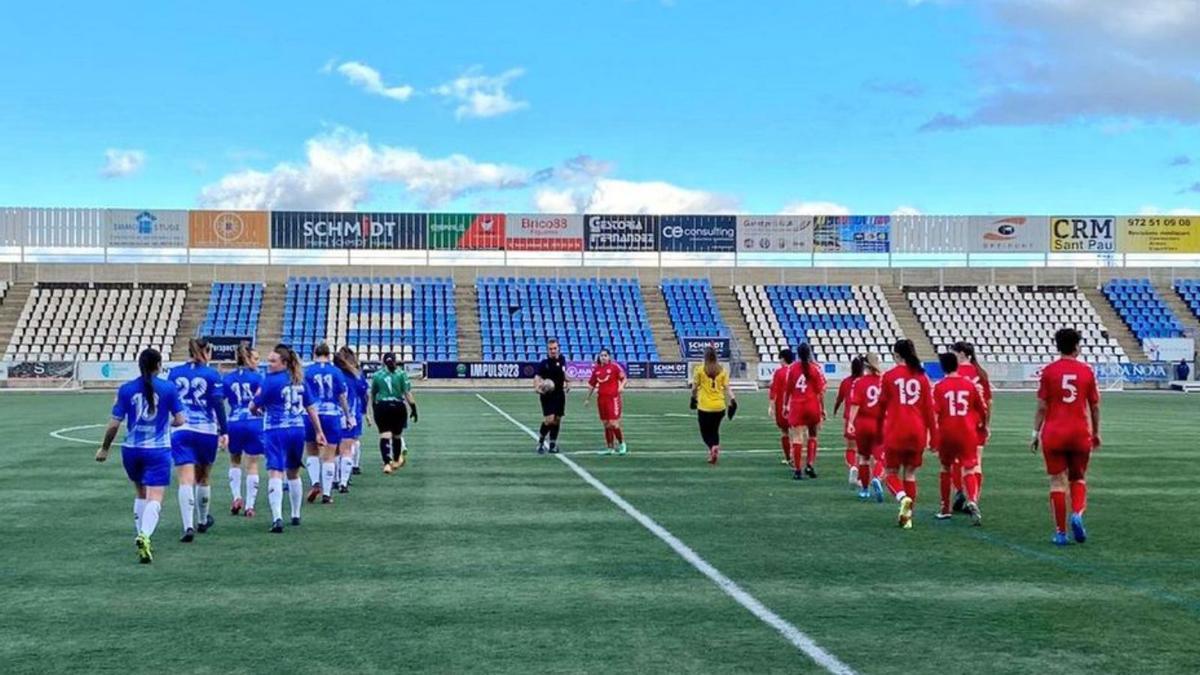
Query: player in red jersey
pixel 1067 428
pixel 804 405
pixel 609 380
pixel 907 402
pixel 843 399
pixel 968 367
pixel 864 427
pixel 959 411
pixel 775 397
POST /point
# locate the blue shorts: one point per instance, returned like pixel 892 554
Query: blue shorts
pixel 355 433
pixel 246 436
pixel 189 447
pixel 330 424
pixel 285 448
pixel 147 466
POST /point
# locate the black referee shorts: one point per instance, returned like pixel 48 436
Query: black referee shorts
pixel 391 417
pixel 554 403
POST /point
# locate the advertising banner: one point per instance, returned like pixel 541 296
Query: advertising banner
pixel 491 370
pixel 39 370
pixel 698 234
pixel 224 347
pixel 466 231
pixel 637 370
pixel 774 234
pixel 1159 234
pixel 229 229
pixel 325 230
pixel 1133 373
pixel 852 234
pixel 133 228
pixel 1171 350
pixel 669 370
pixel 1007 234
pixel 693 347
pixel 633 233
pixel 543 232
pixel 1083 234
pixel 65 228
pixel 582 370
pixel 929 234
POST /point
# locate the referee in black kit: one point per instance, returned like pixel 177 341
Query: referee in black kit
pixel 550 382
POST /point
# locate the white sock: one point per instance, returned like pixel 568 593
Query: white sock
pixel 313 464
pixel 187 506
pixel 251 490
pixel 347 465
pixel 296 494
pixel 139 505
pixel 203 499
pixel 327 469
pixel 149 519
pixel 901 495
pixel 357 454
pixel 275 497
pixel 403 445
pixel 235 481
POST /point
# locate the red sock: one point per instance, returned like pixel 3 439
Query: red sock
pixel 618 435
pixel 945 479
pixel 864 475
pixel 812 451
pixel 1078 496
pixel 972 483
pixel 851 457
pixel 878 471
pixel 910 488
pixel 608 436
pixel 786 444
pixel 956 476
pixel 797 455
pixel 1058 504
pixel 893 483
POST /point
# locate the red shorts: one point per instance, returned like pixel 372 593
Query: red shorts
pixel 610 408
pixel 781 419
pixel 894 459
pixel 981 437
pixel 868 439
pixel 952 449
pixel 805 416
pixel 1067 452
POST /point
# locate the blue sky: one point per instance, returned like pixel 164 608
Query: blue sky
pixel 870 106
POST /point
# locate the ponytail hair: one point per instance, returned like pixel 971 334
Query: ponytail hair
pixel 148 363
pixel 804 356
pixel 244 351
pixel 856 366
pixel 198 349
pixel 968 350
pixel 346 361
pixel 291 362
pixel 871 363
pixel 711 367
pixel 389 361
pixel 907 353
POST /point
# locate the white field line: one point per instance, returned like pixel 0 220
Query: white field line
pixel 60 434
pixel 793 635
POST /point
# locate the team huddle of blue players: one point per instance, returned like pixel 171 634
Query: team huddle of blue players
pixel 295 417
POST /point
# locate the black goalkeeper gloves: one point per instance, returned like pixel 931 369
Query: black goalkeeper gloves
pixel 693 404
pixel 732 410
pixel 414 411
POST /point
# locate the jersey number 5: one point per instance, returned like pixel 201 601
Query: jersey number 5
pixel 1070 391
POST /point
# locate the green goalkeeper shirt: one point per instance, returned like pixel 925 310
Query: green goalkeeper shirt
pixel 390 386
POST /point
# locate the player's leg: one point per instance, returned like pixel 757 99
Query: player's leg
pixel 851 456
pixel 956 482
pixel 235 475
pixel 295 455
pixel 709 434
pixel 908 470
pixel 399 426
pixel 878 469
pixel 862 456
pixel 345 461
pixel 1077 464
pixel 810 445
pixel 332 427
pixel 204 518
pixel 970 464
pixel 799 434
pixel 185 476
pixel 950 465
pixel 276 455
pixel 312 464
pixel 250 467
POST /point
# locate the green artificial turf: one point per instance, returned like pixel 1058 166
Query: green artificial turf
pixel 481 556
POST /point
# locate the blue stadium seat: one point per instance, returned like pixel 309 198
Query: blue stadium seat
pixel 692 306
pixel 1141 308
pixel 233 310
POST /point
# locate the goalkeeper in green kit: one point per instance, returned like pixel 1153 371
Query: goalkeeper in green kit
pixel 390 391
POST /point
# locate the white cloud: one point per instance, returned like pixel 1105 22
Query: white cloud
pixel 815 209
pixel 481 95
pixel 906 211
pixel 340 169
pixel 610 195
pixel 1155 211
pixel 1059 61
pixel 369 80
pixel 120 163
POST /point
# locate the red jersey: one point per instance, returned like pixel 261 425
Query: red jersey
pixel 607 380
pixel 1068 386
pixel 907 402
pixel 959 409
pixel 778 389
pixel 805 388
pixel 865 394
pixel 969 371
pixel 843 397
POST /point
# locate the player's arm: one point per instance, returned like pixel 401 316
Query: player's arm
pixel 731 400
pixel 591 385
pixel 110 434
pixel 310 406
pixel 622 380
pixel 855 403
pixel 1039 418
pixel 1094 413
pixel 412 402
pixel 927 408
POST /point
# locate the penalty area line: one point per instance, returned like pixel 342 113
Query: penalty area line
pixel 794 635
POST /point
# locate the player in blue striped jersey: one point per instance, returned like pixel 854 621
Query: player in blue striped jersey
pixel 194 446
pixel 148 406
pixel 328 387
pixel 285 402
pixel 245 429
pixel 356 395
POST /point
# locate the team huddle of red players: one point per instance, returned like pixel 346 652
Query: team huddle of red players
pixel 891 418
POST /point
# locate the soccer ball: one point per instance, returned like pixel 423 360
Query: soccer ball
pixel 545 387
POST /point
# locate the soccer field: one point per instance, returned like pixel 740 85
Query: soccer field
pixel 481 556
